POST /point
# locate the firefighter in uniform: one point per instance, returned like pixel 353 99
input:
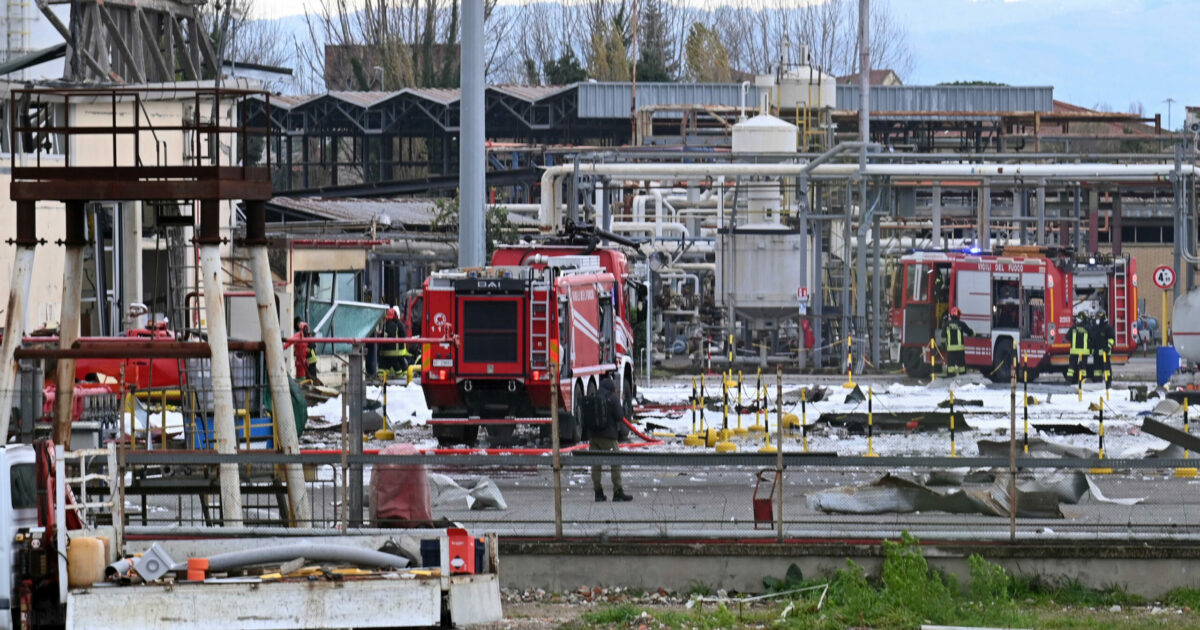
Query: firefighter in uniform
pixel 1080 348
pixel 956 355
pixel 395 356
pixel 1103 339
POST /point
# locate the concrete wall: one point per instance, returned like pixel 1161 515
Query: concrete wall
pixel 45 295
pixel 1149 571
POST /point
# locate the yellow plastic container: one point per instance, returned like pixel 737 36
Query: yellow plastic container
pixel 85 562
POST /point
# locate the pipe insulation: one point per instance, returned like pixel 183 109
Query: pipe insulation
pixel 310 553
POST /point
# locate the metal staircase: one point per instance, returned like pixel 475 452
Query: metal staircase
pixel 1120 285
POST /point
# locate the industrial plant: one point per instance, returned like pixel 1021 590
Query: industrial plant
pixel 463 352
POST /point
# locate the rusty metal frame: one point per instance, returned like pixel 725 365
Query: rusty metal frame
pixel 117 182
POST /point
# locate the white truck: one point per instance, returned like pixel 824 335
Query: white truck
pixel 37 528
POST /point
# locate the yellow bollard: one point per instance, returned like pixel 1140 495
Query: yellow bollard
pixel 849 384
pixel 739 431
pixel 1186 472
pixel 932 364
pixel 1080 385
pixel 871 423
pixel 724 445
pixel 692 439
pixel 1101 471
pixel 385 433
pixel 804 417
pixel 953 453
pixel 1025 436
pixel 760 397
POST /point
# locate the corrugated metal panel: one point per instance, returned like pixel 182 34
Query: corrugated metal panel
pixel 950 98
pixel 614 100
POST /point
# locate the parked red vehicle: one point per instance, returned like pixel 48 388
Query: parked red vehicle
pixel 537 304
pixel 1019 301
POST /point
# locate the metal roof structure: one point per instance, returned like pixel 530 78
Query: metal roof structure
pixel 950 98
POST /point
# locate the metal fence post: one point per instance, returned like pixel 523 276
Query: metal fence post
pixel 779 446
pixel 1012 456
pixel 557 459
pixel 355 394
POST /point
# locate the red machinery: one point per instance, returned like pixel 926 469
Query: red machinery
pixel 1019 302
pixel 534 305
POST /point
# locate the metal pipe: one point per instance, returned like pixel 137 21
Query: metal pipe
pixel 310 552
pixel 550 202
pixel 472 149
pixel 277 377
pixel 72 293
pixel 14 327
pixel 222 381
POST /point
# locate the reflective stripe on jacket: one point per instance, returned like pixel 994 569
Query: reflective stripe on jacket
pixel 1079 340
pixel 954 337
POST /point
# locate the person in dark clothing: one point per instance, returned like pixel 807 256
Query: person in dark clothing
pixel 394 356
pixel 606 437
pixel 956 348
pixel 1103 339
pixel 1079 336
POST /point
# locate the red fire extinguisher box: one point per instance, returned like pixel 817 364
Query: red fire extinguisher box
pixel 462 551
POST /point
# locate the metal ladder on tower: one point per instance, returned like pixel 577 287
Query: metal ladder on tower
pixel 1121 302
pixel 539 318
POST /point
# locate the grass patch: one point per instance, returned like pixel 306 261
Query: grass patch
pixel 622 614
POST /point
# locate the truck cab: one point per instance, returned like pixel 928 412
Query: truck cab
pixel 18 512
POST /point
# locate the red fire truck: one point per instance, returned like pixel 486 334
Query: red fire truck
pixel 1019 301
pixel 534 305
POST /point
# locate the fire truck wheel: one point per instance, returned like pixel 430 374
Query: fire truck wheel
pixel 573 432
pixel 1002 357
pixel 449 437
pixel 500 435
pixel 627 397
pixel 914 365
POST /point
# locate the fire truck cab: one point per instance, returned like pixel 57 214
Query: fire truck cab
pixel 1018 302
pixel 534 306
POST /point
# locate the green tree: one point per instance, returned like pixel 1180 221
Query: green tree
pixel 565 70
pixel 499 230
pixel 609 55
pixel 707 59
pixel 654 44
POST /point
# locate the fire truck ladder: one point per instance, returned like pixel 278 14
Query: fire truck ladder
pixel 1121 302
pixel 539 319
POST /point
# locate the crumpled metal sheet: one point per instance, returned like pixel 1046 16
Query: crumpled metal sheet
pixel 482 495
pixel 1036 498
pixel 1037 448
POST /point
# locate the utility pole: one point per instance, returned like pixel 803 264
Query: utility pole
pixel 471 149
pixel 1169 101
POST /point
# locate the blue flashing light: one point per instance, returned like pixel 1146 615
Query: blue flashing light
pixel 974 250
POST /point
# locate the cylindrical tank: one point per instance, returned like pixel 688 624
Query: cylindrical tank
pixel 807 85
pixel 764 134
pixel 1185 325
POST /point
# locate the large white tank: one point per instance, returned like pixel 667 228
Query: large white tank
pixel 764 134
pixel 761 266
pixel 800 86
pixel 1185 325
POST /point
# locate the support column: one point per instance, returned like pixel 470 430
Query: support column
pixel 985 217
pixel 1040 238
pixel 936 202
pixel 802 207
pixel 1115 224
pixel 817 299
pixel 68 327
pixel 218 342
pixel 276 364
pixel 131 258
pixel 14 317
pixel 472 239
pixel 1093 244
pixel 876 282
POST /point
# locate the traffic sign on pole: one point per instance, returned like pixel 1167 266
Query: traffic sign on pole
pixel 1164 277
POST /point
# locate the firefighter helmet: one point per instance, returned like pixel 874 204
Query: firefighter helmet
pixel 954 312
pixel 1081 318
pixel 391 313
